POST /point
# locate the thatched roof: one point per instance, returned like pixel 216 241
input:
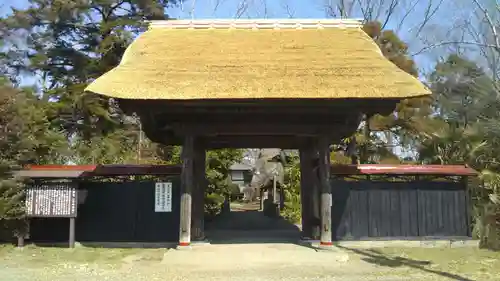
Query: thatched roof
pixel 226 59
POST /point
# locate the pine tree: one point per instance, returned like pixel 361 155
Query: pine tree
pixel 68 43
pixel 25 138
pixel 467 110
pixel 11 204
pixel 408 117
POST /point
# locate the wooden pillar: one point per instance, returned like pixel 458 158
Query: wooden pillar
pixel 186 190
pixel 198 226
pixel 326 192
pixel 72 232
pixel 315 193
pixel 20 241
pixel 306 190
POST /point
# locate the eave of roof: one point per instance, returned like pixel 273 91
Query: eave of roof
pixel 382 169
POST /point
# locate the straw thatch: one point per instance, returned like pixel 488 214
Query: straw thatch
pixel 247 63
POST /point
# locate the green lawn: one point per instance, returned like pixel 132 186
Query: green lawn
pixel 455 263
pixel 459 264
pixel 40 256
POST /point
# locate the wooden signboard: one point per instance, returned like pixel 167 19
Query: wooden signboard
pixel 51 200
pixel 163 197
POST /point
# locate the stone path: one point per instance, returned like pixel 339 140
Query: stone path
pixel 246 224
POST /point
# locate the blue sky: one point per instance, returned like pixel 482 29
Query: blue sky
pixel 204 9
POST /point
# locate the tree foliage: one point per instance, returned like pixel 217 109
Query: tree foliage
pixel 218 178
pixel 376 136
pixel 467 112
pixel 25 138
pixel 68 44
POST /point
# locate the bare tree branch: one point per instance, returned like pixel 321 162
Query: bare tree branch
pixel 216 5
pixel 429 13
pixel 264 4
pixel 342 8
pixel 286 6
pixel 329 9
pixel 491 25
pixel 365 11
pixel 448 43
pixel 390 12
pixel 193 6
pixel 242 8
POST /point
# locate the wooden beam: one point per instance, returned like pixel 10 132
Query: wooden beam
pixel 311 118
pixel 256 141
pixel 249 129
pixel 253 141
pixel 72 232
pixel 198 226
pixel 186 190
pixel 256 106
pixel 326 192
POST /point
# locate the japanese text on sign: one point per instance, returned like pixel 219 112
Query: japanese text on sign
pixel 51 200
pixel 163 197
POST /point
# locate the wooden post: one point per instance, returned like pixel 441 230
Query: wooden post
pixel 20 240
pixel 469 183
pixel 261 192
pixel 198 227
pixel 186 190
pixel 326 192
pixel 71 232
pixel 306 190
pixel 315 195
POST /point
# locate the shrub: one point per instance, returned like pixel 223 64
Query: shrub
pixel 292 210
pixel 11 205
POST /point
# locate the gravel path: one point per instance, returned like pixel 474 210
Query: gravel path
pixel 238 262
pixel 237 255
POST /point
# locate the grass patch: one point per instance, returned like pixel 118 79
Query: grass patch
pixel 455 263
pixel 43 256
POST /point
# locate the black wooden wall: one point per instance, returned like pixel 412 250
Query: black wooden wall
pixel 116 212
pixel 367 210
pixel 124 212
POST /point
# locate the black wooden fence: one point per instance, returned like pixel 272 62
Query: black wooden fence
pixel 124 212
pixel 116 212
pixel 367 210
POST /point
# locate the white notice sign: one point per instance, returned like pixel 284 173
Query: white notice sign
pixel 163 197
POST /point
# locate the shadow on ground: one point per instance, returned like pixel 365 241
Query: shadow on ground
pixel 374 256
pixel 246 224
pixel 243 224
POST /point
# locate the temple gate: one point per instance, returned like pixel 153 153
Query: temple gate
pixel 298 84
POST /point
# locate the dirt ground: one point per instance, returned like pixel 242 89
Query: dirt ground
pixel 241 262
pixel 247 246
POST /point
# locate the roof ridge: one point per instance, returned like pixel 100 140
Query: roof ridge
pixel 256 23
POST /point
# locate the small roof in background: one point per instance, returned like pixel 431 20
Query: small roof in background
pixel 403 169
pixel 256 59
pixel 240 167
pixel 82 171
